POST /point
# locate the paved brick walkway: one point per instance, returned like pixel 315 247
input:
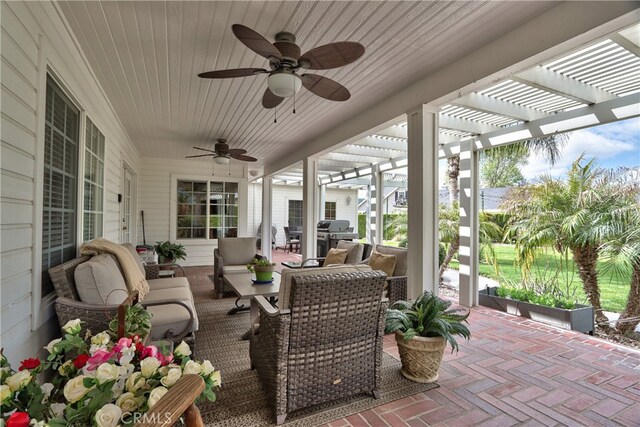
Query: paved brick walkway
pixel 517 372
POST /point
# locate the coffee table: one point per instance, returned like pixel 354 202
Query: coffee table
pixel 244 287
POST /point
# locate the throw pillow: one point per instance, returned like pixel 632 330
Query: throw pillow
pixel 99 281
pixel 335 256
pixel 386 263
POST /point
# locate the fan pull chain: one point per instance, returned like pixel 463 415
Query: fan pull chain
pixel 275 115
pixel 294 95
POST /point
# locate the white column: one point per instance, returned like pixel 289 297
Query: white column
pixel 309 207
pixel 422 269
pixel 469 242
pixel 267 199
pixel 371 209
pixel 322 199
pixel 379 182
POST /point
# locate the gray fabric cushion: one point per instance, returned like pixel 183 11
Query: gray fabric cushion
pixel 237 250
pixel 234 269
pixel 401 258
pixel 170 316
pixel 287 273
pixel 169 282
pixel 354 251
pixel 99 281
pixel 136 257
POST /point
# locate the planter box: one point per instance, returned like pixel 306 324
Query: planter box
pixel 579 319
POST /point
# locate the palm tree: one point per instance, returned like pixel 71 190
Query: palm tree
pixel 575 215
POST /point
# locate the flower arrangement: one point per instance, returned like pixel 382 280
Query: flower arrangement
pixel 96 381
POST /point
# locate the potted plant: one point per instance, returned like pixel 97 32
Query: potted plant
pixel 168 252
pixel 422 330
pixel 263 269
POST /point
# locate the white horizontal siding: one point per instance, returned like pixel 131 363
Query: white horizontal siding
pixel 155 180
pixel 23 26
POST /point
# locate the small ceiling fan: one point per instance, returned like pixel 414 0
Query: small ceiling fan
pixel 223 153
pixel 285 60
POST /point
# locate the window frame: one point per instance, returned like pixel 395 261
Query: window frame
pixel 327 209
pixel 85 152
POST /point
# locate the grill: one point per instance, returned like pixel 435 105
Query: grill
pixel 330 232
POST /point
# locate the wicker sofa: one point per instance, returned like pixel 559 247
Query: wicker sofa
pixel 325 340
pixel 169 300
pixel 397 282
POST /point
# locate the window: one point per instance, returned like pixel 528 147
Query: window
pixel 295 214
pixel 93 182
pixel 60 182
pixel 203 206
pixel 329 210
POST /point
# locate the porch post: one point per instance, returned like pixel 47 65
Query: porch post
pixel 379 182
pixel 309 207
pixel 322 199
pixel 371 210
pixel 267 198
pixel 469 241
pixel 422 187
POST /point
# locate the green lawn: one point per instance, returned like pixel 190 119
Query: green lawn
pixel 614 289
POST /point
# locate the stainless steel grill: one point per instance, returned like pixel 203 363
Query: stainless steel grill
pixel 330 232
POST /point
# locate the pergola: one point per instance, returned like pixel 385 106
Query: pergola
pixel 593 85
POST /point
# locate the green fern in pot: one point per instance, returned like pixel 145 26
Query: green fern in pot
pixel 423 328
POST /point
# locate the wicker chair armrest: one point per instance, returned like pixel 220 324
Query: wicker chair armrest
pixel 96 318
pixel 179 400
pixel 151 271
pixel 85 306
pixel 173 265
pixel 396 288
pixel 187 329
pixel 321 258
pixel 265 306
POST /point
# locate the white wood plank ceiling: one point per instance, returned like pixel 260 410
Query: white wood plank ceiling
pixel 146 56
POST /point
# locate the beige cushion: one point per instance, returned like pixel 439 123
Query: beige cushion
pixel 234 269
pixel 237 250
pixel 99 281
pixel 288 273
pixel 386 263
pixel 136 257
pixel 355 251
pixel 335 256
pixel 168 283
pixel 182 294
pixel 401 258
pixel 170 316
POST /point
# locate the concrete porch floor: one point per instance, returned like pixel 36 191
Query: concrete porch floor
pixel 514 372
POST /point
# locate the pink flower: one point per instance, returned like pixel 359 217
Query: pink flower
pixel 122 343
pixel 99 357
pixel 150 351
pixel 165 360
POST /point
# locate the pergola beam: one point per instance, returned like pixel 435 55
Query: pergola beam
pixel 362 150
pixel 456 123
pixel 625 43
pixel 491 105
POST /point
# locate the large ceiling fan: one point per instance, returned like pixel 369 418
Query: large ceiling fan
pixel 222 153
pixel 285 60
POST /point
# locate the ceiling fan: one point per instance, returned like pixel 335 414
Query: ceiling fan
pixel 285 60
pixel 222 153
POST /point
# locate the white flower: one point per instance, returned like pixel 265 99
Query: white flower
pixel 50 348
pixel 172 377
pixel 135 382
pixel 72 327
pixel 192 367
pixel 102 338
pixel 108 416
pixel 5 392
pixel 127 356
pixel 75 390
pixel 215 376
pixel 128 402
pixel 107 372
pixel 182 349
pixel 207 368
pixel 35 423
pixel 18 380
pixel 149 366
pixel 46 388
pixel 117 389
pixel 57 409
pixel 155 395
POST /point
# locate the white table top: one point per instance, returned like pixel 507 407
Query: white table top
pixel 245 288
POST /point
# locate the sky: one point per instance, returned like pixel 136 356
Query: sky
pixel 612 145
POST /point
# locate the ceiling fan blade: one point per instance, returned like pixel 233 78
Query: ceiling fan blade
pixel 237 151
pixel 200 155
pixel 244 158
pixel 325 87
pixel 204 149
pixel 271 100
pixel 331 55
pixel 236 72
pixel 255 42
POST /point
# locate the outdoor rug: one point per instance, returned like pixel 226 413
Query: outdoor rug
pixel 242 402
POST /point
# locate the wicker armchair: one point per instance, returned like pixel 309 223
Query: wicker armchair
pixel 326 341
pixel 396 283
pixel 232 256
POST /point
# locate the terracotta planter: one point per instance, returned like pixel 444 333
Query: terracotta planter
pixel 264 273
pixel 420 357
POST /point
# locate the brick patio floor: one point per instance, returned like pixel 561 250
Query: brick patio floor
pixel 517 372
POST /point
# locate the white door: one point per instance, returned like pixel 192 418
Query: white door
pixel 126 205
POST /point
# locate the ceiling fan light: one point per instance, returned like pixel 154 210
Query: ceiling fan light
pixel 284 84
pixel 221 160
